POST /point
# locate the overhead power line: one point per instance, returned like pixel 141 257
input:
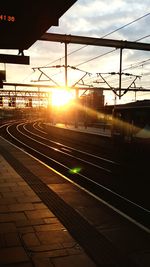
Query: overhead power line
pixel 111 51
pixel 118 29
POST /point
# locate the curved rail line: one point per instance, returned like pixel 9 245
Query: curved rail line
pixel 68 147
pixel 95 183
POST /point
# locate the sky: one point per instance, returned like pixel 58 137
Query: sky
pixel 101 19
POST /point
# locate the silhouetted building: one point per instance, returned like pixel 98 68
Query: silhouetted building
pixel 90 104
pixel 94 100
pixel 1 101
pixel 12 102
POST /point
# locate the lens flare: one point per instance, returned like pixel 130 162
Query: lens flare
pixel 75 170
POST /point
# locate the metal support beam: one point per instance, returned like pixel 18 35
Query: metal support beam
pixel 13 59
pixel 30 85
pixel 120 73
pixel 66 78
pixel 62 38
pixel 76 110
pixel 133 89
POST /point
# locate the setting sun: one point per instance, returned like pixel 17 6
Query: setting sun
pixel 61 97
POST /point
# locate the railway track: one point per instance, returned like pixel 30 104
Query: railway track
pixel 103 177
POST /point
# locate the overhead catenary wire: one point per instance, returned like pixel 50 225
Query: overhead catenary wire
pixel 111 32
pixel 107 53
pixel 113 50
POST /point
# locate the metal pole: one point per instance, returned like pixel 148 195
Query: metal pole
pixel 120 73
pixel 76 108
pixel 66 78
pixel 135 95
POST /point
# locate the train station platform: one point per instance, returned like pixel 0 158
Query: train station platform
pixel 45 219
pixel 103 130
pixel 30 234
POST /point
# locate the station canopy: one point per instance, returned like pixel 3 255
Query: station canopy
pixel 24 22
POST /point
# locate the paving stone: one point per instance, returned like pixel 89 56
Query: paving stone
pixel 22 264
pixel 2 241
pixel 22 183
pixel 43 263
pixel 47 248
pixel 5 201
pixel 39 206
pixel 29 193
pixel 72 245
pixel 30 239
pixel 27 229
pixel 13 194
pixel 48 227
pixel 21 207
pixel 75 261
pixel 19 188
pixel 7 228
pixel 5 189
pixel 12 240
pixel 28 222
pixel 8 184
pixel 26 188
pixel 45 213
pixel 9 217
pixel 28 199
pixel 54 236
pixel 64 188
pixel 3 208
pixel 12 255
pixel 52 220
pixel 9 177
pixel 51 254
pixel 73 249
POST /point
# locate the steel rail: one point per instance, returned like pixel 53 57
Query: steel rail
pixel 98 198
pixel 80 151
pixel 100 185
pixel 62 152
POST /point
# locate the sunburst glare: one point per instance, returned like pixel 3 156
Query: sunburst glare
pixel 61 97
